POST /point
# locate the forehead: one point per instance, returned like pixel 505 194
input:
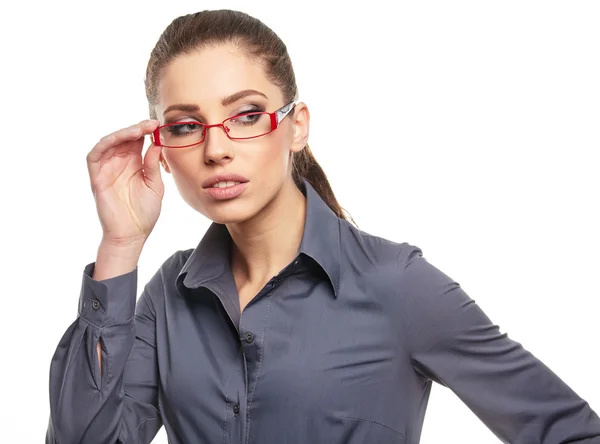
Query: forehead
pixel 207 76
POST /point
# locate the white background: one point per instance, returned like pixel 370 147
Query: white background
pixel 478 141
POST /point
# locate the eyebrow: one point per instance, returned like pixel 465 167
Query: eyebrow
pixel 190 108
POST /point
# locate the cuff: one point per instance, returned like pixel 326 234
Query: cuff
pixel 110 301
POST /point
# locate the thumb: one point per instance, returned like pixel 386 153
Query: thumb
pixel 152 165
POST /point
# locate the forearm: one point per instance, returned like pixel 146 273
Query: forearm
pixel 115 260
pixel 84 402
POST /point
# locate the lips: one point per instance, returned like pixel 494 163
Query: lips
pixel 226 177
pixel 226 193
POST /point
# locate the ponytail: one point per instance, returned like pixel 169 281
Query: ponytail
pixel 304 165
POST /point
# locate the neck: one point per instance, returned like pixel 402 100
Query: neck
pixel 268 242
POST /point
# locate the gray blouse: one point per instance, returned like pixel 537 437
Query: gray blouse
pixel 341 346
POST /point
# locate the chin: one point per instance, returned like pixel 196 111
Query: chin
pixel 228 214
pixel 238 210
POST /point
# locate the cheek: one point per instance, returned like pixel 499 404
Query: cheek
pixel 273 156
pixel 186 161
pixel 185 173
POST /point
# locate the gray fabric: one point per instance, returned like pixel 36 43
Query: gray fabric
pixel 341 347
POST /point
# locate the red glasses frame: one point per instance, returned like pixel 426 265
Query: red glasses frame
pixel 276 117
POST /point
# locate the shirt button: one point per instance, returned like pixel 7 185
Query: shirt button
pixel 95 304
pixel 236 408
pixel 249 338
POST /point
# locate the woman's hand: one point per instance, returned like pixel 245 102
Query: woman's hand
pixel 128 192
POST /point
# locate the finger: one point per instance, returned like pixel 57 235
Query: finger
pixel 128 134
pixel 152 164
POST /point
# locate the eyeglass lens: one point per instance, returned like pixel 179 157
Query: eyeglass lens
pixel 243 126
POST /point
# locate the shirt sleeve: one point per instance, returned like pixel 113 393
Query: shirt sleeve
pixel 119 404
pixel 454 343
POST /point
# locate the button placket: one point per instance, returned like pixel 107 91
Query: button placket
pixel 253 323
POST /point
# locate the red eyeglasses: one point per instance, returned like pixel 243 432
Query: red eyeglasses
pixel 239 127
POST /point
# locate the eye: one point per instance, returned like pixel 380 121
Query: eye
pixel 184 128
pixel 248 116
pixel 246 119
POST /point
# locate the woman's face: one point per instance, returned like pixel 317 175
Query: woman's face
pixel 203 80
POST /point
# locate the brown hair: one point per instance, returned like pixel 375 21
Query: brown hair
pixel 192 32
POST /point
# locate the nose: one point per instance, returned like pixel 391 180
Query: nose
pixel 218 148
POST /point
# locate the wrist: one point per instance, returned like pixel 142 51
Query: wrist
pixel 116 259
pixel 123 247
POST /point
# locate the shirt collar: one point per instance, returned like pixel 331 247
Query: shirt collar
pixel 320 241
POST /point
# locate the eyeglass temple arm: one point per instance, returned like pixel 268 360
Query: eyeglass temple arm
pixel 282 112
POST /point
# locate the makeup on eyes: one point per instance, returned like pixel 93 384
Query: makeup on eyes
pixel 247 108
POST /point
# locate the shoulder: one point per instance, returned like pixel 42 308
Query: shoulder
pixel 162 284
pixel 372 254
pixel 372 267
pixel 173 264
pixel 177 260
pixel 167 272
pixel 396 271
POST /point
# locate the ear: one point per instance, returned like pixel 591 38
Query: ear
pixel 300 124
pixel 164 163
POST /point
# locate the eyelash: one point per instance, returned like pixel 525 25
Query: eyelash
pixel 254 109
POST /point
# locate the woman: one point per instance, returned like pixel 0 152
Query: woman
pixel 286 324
